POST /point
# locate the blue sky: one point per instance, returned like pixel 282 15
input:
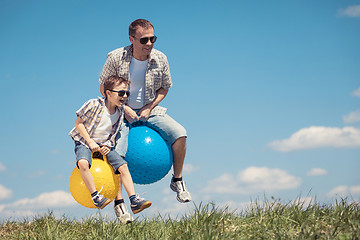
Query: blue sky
pixel 269 92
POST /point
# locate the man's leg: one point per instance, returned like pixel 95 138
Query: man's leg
pixel 179 151
pixel 175 135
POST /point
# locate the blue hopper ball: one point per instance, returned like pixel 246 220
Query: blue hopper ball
pixel 148 156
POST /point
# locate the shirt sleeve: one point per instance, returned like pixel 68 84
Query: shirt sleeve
pixel 86 112
pixel 109 68
pixel 166 79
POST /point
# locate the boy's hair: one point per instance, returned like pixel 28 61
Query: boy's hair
pixel 139 23
pixel 110 82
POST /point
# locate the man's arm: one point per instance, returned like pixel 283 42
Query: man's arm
pixel 145 111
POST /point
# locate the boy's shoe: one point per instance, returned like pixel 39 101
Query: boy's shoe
pixel 179 187
pixel 138 204
pixel 100 201
pixel 122 214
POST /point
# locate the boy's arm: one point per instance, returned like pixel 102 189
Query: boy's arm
pixel 79 125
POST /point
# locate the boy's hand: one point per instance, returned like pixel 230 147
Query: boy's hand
pixel 104 150
pixel 131 115
pixel 94 146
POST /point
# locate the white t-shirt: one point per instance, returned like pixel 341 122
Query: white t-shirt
pixel 137 71
pixel 103 130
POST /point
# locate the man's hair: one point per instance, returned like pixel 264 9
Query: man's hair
pixel 139 23
pixel 110 82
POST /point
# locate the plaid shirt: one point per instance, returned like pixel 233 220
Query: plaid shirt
pixel 157 72
pixel 91 113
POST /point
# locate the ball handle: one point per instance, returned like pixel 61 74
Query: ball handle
pixel 99 156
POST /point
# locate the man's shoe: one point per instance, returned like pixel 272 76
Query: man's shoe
pixel 100 201
pixel 138 204
pixel 122 214
pixel 179 187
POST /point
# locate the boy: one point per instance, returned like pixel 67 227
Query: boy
pixel 95 129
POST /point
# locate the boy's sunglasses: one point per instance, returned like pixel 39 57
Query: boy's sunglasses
pixel 145 40
pixel 121 93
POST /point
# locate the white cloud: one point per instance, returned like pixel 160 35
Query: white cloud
pixel 189 168
pixel 344 191
pixel 5 192
pixel 43 201
pixel 351 11
pixel 2 167
pixel 252 180
pixel 317 172
pixel 317 136
pixel 352 117
pixel 356 93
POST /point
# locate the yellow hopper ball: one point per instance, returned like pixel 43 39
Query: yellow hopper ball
pixel 104 177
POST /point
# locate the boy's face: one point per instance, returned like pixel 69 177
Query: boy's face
pixel 114 97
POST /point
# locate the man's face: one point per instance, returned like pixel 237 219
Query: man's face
pixel 117 96
pixel 141 51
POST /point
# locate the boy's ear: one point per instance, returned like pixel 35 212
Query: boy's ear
pixel 106 93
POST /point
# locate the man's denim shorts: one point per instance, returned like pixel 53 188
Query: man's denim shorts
pixel 169 129
pixel 113 158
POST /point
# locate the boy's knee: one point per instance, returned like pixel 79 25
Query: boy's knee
pixel 83 164
pixel 123 169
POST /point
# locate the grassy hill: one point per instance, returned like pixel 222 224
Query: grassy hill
pixel 269 220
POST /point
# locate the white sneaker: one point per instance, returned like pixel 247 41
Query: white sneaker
pixel 122 214
pixel 183 194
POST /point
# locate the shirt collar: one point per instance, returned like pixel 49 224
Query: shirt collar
pixel 102 101
pixel 128 54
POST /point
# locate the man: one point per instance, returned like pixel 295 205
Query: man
pixel 150 80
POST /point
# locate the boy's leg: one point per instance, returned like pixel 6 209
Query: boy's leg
pixel 121 139
pixel 84 161
pixel 119 194
pixel 126 179
pixel 137 204
pixel 120 167
pixel 86 176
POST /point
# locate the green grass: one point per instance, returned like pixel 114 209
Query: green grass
pixel 269 220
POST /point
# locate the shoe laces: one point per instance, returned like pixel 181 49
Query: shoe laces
pixel 181 185
pixel 138 197
pixel 100 197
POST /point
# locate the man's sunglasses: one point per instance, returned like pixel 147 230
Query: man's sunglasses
pixel 145 40
pixel 121 93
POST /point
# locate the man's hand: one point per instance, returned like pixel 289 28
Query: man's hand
pixel 144 113
pixel 131 115
pixel 93 146
pixel 104 150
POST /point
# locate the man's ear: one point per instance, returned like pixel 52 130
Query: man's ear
pixel 131 39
